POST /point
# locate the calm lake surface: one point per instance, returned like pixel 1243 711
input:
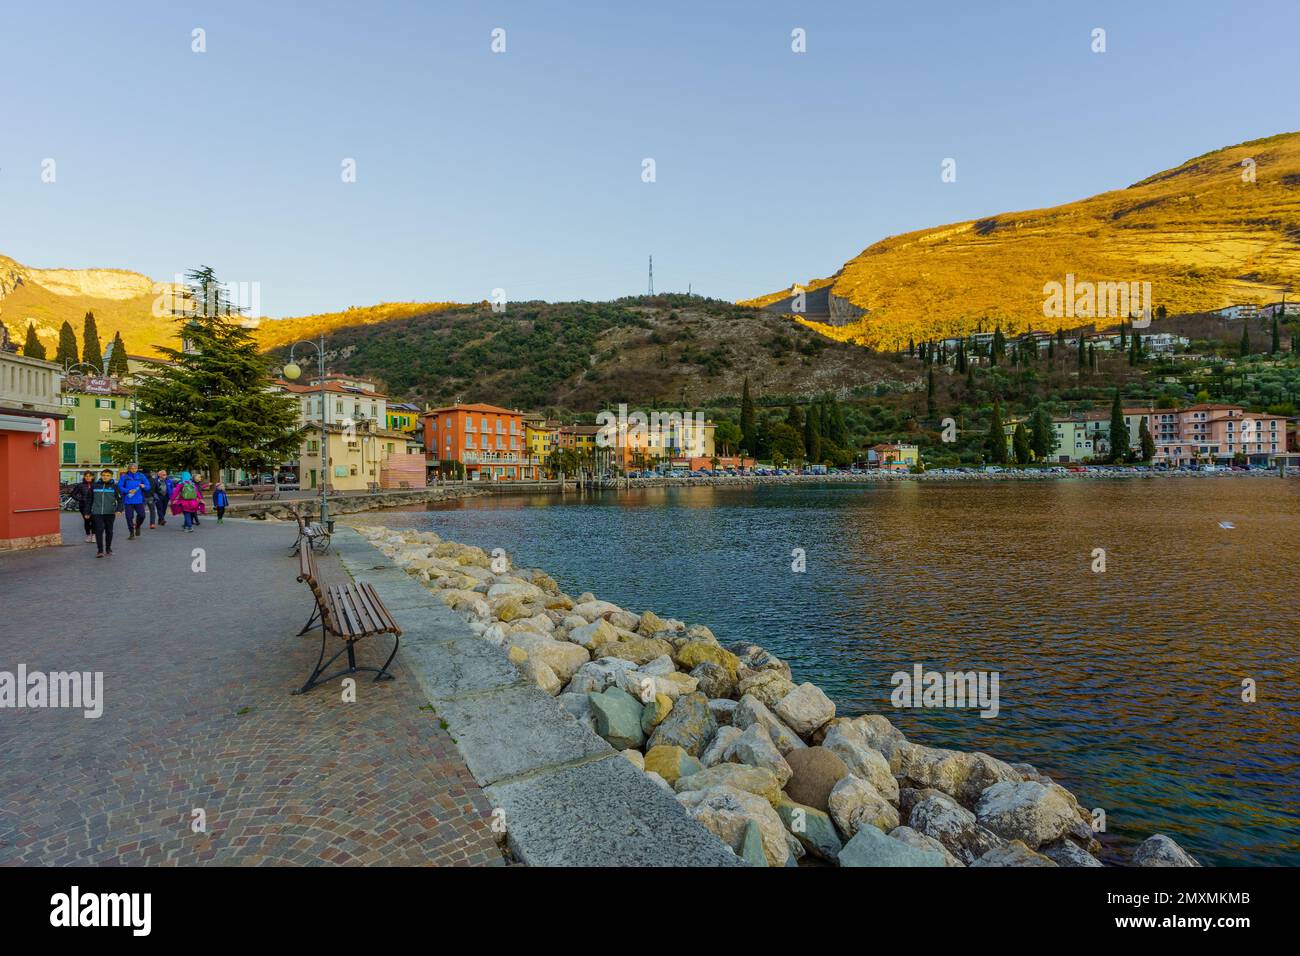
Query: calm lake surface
pixel 1126 686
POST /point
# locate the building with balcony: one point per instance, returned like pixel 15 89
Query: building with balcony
pixel 1211 433
pixel 478 442
pixel 93 405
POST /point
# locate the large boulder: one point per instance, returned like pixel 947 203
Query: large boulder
pixel 767 686
pixel 713 680
pixel 726 813
pixel 939 816
pixel 716 752
pixel 1028 812
pixel 690 725
pixel 1068 853
pixel 542 675
pixel 961 775
pixel 751 710
pixel 590 610
pixel 754 780
pixel 1160 850
pixel 814 773
pixel 813 828
pixel 654 712
pixel 805 709
pixel 595 676
pixel 723 710
pixel 594 635
pixel 920 841
pixel 871 847
pixel 862 760
pixel 514 587
pixel 752 658
pixel 853 804
pixel 1014 853
pixel 618 718
pixel 651 624
pixel 561 656
pixel 671 762
pixel 640 650
pixel 578 706
pixel 694 653
pixel 755 748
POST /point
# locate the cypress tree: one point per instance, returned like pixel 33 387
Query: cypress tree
pixel 92 353
pixel 748 426
pixel 961 356
pixel 1092 357
pixel 117 359
pixel 911 348
pixel 1020 444
pixel 996 441
pixel 1118 431
pixel 1245 337
pixel 1277 338
pixel 812 439
pixel 1083 352
pixel 1123 339
pixel 794 418
pixel 1051 349
pixel 1148 443
pixel 33 347
pixel 929 396
pixel 67 352
pixel 1042 436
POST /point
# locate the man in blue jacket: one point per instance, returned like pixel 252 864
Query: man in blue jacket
pixel 134 486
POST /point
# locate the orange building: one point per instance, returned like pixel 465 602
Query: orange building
pixel 486 441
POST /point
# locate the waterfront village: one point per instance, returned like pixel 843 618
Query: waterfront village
pixel 354 438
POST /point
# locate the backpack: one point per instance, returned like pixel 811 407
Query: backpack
pixel 187 491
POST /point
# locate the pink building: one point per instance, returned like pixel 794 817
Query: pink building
pixel 1216 434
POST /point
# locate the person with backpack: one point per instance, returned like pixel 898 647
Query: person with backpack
pixel 105 504
pixel 84 497
pixel 186 500
pixel 220 500
pixel 134 486
pixel 163 486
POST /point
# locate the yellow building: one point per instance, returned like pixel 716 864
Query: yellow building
pixel 356 456
pixel 541 438
pixel 402 417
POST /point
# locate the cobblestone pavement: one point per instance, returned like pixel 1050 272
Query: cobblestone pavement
pixel 198 669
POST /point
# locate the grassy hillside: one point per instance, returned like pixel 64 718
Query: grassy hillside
pixel 581 355
pixel 1202 236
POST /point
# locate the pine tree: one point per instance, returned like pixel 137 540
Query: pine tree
pixel 1020 444
pixel 92 353
pixel 1118 431
pixel 211 405
pixel 748 425
pixel 67 351
pixel 1148 443
pixel 117 364
pixel 33 347
pixel 995 444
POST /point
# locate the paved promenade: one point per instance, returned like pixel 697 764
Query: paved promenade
pixel 198 669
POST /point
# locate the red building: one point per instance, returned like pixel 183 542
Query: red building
pixel 29 456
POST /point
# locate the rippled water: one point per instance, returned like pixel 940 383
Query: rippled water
pixel 1123 685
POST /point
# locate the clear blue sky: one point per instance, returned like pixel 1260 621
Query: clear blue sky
pixel 523 170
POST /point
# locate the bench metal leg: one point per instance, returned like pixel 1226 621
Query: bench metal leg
pixel 315 616
pixel 381 673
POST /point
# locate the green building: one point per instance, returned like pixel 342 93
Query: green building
pixel 94 408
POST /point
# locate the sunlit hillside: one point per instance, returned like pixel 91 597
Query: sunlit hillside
pixel 1220 229
pixel 137 306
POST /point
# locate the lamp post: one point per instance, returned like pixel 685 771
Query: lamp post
pixel 292 371
pixel 135 428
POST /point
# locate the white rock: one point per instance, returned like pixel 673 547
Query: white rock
pixel 562 657
pixel 861 760
pixel 716 752
pixel 854 803
pixel 724 812
pixel 751 710
pixel 1028 812
pixel 754 747
pixel 805 709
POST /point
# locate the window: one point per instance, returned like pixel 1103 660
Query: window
pixel 106 403
pixel 103 452
pixel 105 424
pixel 469 441
pixel 69 452
pixel 72 400
pixel 69 424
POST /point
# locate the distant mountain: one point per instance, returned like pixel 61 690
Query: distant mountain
pixel 1222 228
pixel 125 302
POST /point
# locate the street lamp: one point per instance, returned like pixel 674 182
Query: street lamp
pixel 132 413
pixel 292 371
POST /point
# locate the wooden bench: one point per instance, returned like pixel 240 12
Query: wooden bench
pixel 348 612
pixel 315 534
pixel 264 491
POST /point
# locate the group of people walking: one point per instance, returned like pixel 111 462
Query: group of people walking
pixel 135 494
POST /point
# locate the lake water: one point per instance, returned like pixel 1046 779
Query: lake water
pixel 1126 686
